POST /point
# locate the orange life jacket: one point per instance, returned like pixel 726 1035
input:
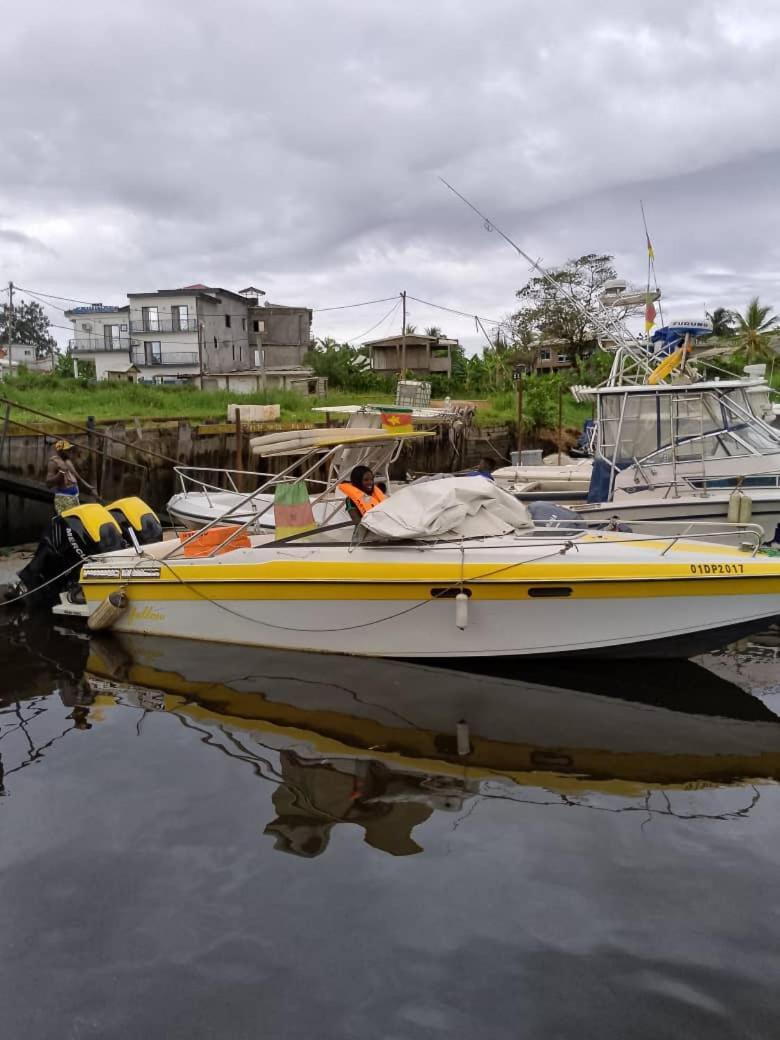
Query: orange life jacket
pixel 363 501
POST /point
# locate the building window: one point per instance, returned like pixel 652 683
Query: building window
pixel 179 315
pixel 227 321
pixel 544 354
pixel 258 326
pixel 151 319
pixel 111 337
pixel 153 352
pixel 216 345
pixel 257 359
pixel 234 352
pixel 563 359
pixel 243 324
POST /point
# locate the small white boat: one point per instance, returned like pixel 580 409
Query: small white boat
pixel 206 495
pixel 568 482
pixel 446 568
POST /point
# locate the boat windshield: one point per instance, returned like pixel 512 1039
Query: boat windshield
pixel 689 424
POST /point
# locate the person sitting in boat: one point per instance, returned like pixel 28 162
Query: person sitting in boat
pixel 362 491
pixel 484 469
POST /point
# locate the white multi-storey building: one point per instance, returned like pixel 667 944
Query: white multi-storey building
pixel 101 335
pixel 196 332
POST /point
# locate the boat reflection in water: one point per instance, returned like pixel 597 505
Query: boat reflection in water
pixel 386 745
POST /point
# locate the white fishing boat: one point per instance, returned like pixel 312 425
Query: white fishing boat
pixel 446 568
pixel 684 451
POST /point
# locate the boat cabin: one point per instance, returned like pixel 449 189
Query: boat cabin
pixel 681 438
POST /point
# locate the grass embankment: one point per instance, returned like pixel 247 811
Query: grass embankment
pixel 70 400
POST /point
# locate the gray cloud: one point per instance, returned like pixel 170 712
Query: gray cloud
pixel 297 146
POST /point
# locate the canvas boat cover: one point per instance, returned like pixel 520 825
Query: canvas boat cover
pixel 453 507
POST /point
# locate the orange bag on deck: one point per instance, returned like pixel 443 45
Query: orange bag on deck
pixel 215 541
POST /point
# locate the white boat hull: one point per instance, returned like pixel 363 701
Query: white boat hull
pixel 404 629
pixel 193 510
pixel 605 594
pixel 713 508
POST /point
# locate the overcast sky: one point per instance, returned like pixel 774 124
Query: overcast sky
pixel 296 146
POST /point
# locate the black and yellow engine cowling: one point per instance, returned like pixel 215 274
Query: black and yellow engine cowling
pixel 77 535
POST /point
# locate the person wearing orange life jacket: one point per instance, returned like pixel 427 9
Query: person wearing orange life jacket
pixel 362 493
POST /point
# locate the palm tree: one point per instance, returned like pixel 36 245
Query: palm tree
pixel 722 322
pixel 410 329
pixel 752 325
pixel 434 331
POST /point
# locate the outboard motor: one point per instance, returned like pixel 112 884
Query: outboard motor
pixel 70 538
pixel 133 514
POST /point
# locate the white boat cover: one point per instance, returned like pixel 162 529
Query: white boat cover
pixel 453 507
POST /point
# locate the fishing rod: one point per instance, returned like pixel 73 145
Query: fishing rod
pixel 605 328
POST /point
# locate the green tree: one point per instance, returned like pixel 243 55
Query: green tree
pixel 722 321
pixel 432 330
pixel 345 366
pixel 752 327
pixel 546 313
pixel 30 326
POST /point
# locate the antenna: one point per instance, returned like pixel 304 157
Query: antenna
pixel 606 328
pixel 632 362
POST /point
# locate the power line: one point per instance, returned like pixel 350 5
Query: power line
pixel 40 299
pixel 463 314
pixel 52 296
pixel 381 321
pixel 348 306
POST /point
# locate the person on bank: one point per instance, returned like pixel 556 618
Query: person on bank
pixel 63 477
pixel 362 491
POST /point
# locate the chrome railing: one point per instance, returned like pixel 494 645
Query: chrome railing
pixel 164 324
pixel 94 344
pixel 165 357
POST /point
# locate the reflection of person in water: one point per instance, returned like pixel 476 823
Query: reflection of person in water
pixel 317 795
pixel 76 694
pixel 80 715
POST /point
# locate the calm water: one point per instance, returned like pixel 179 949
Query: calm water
pixel 199 842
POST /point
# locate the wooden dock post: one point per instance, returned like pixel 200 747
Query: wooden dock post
pixel 239 450
pixel 93 464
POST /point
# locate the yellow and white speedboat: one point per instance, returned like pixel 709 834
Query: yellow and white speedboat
pixel 451 567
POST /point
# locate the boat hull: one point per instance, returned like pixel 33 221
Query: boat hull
pixel 713 508
pixel 599 621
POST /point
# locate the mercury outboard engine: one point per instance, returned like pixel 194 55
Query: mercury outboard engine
pixel 134 515
pixel 70 539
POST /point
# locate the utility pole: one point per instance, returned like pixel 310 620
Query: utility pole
pixel 10 315
pixel 200 349
pixel 403 334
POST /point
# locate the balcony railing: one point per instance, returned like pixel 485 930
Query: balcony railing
pixel 95 344
pixel 164 324
pixel 167 357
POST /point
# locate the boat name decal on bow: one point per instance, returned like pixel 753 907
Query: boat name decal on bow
pixel 121 572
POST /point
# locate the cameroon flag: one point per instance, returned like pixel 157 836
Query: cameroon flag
pixel 397 421
pixel 292 509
